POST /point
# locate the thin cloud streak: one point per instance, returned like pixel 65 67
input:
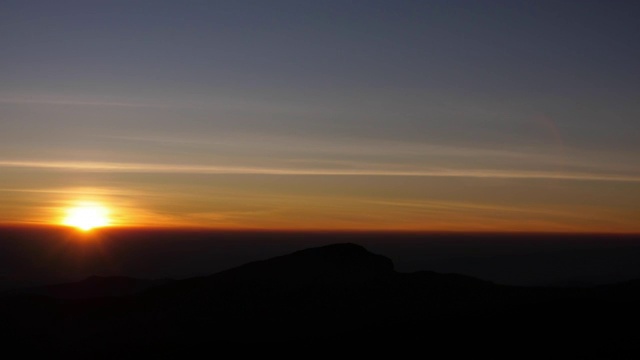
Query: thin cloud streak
pixel 476 207
pixel 356 153
pixel 77 103
pixel 239 170
pixel 81 191
pixel 347 146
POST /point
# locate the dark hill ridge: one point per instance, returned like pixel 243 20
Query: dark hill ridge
pixel 336 263
pixel 337 294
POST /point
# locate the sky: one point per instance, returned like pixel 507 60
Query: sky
pixel 323 115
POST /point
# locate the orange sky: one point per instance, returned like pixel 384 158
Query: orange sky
pixel 325 202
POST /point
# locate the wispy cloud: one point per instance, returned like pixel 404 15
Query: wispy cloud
pixel 242 170
pixel 476 208
pixel 77 191
pixel 320 145
pixel 75 102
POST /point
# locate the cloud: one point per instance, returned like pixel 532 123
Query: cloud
pixel 248 170
pixel 78 191
pixel 75 102
pixel 477 208
pixel 318 145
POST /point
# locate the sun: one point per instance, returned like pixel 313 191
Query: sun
pixel 87 216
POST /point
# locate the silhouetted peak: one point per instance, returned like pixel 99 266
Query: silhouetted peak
pixel 103 279
pixel 336 249
pixel 346 254
pixel 337 261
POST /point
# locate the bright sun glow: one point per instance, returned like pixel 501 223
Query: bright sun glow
pixel 87 216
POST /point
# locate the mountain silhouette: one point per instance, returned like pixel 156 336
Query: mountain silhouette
pixel 338 295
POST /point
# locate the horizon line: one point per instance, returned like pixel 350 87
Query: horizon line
pixel 203 228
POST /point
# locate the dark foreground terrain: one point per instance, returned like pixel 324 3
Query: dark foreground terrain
pixel 331 296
